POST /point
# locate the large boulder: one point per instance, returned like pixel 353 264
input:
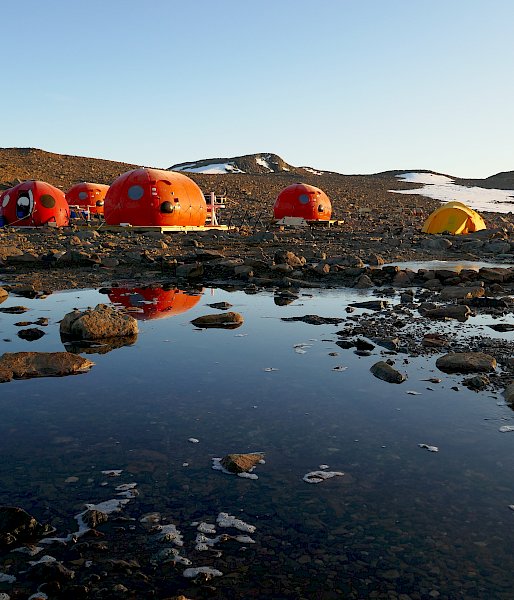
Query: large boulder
pixel 453 292
pixel 3 295
pixel 461 312
pixel 18 527
pixel 99 323
pixel 26 365
pixel 466 362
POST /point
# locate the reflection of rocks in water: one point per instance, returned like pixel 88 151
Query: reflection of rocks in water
pixel 98 347
pixel 284 298
pixel 150 302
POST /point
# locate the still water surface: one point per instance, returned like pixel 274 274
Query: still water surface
pixel 401 519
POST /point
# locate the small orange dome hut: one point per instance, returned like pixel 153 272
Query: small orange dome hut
pixel 32 204
pixel 88 195
pixel 153 303
pixel 153 197
pixel 302 200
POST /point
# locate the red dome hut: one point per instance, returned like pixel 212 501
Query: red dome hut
pixel 153 303
pixel 88 196
pixel 34 203
pixel 302 200
pixel 153 197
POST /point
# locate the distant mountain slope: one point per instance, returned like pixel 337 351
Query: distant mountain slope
pixel 249 164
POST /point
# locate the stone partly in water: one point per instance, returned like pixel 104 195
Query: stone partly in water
pixel 3 295
pixel 228 320
pixel 466 362
pixel 315 320
pixel 383 370
pixel 26 365
pixel 241 463
pixel 18 527
pixel 31 334
pixel 509 393
pixel 98 323
pixel 461 312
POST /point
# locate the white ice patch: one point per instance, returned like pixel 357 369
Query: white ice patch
pixel 506 428
pixel 38 596
pixel 313 171
pixel 194 572
pixel 4 578
pixel 226 520
pixel 429 448
pixel 319 476
pixel 4 596
pixel 112 472
pixel 263 163
pixel 211 169
pixel 444 189
pixel 193 440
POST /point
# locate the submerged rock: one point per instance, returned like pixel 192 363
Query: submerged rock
pixel 220 305
pixel 17 526
pixel 26 365
pixel 383 370
pixel 228 320
pixel 99 323
pixel 466 362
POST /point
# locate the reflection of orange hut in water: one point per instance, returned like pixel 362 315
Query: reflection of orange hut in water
pixel 153 303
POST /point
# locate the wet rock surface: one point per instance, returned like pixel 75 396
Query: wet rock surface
pixel 227 320
pixel 26 365
pixel 466 362
pixel 386 372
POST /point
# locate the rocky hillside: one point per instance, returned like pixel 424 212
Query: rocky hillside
pixel 61 170
pixel 250 164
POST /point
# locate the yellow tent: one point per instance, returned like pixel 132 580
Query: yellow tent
pixel 453 217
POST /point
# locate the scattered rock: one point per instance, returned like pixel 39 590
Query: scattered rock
pixel 14 310
pixel 228 320
pixel 478 382
pixel 31 334
pixel 18 527
pixel 461 312
pixel 315 320
pixel 220 305
pixel 466 362
pixel 383 370
pixel 239 463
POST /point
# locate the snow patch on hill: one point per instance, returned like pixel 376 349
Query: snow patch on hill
pixel 210 169
pixel 440 187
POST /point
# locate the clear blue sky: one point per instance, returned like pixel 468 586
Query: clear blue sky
pixel 355 86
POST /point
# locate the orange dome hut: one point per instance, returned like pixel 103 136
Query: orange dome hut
pixel 303 201
pixel 153 303
pixel 88 196
pixel 32 204
pixel 151 197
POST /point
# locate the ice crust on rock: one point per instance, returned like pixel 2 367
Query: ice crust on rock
pixel 206 528
pixel 195 571
pixel 112 472
pixel 319 476
pixel 4 578
pixel 429 448
pixel 226 520
pixel 43 560
pixel 506 428
pixel 169 533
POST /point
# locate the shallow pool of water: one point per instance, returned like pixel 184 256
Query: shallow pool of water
pixel 452 265
pixel 400 520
